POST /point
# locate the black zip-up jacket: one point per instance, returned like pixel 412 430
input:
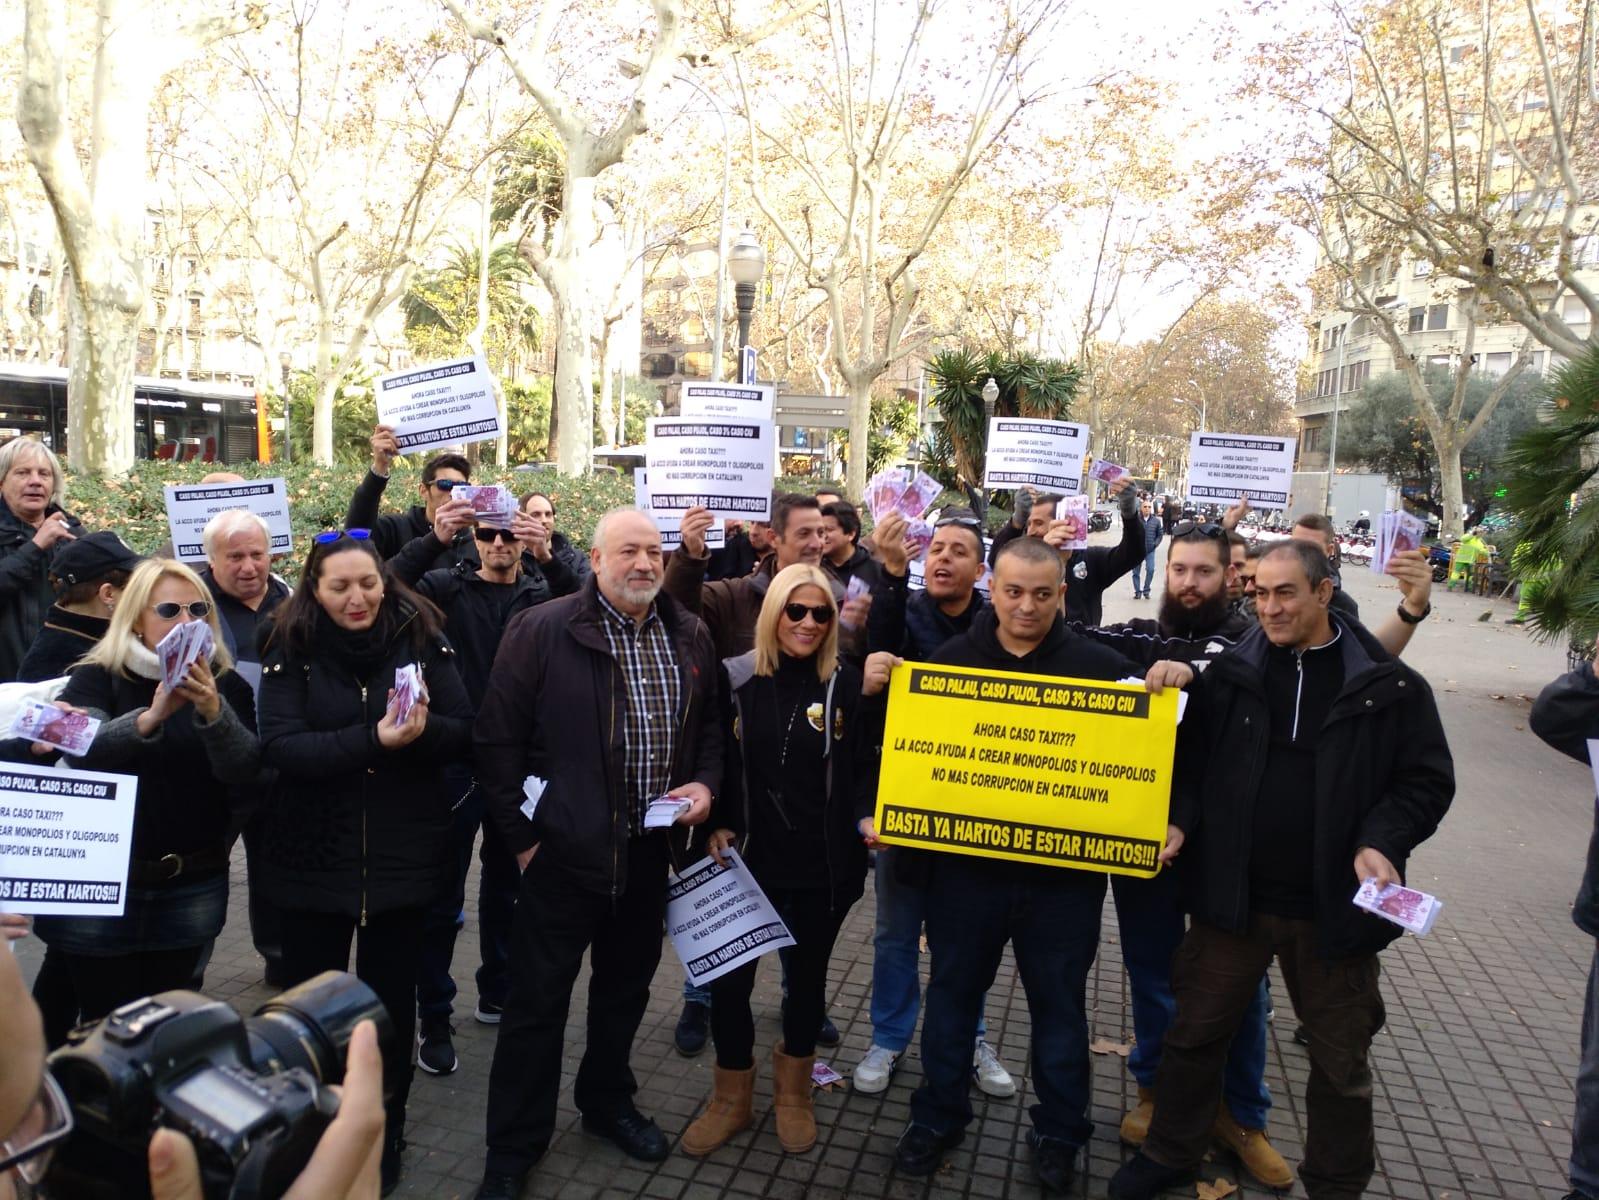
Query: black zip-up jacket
pixel 189 770
pixel 25 591
pixel 859 563
pixel 352 827
pixel 555 708
pixel 1089 572
pixel 1146 641
pixel 420 557
pixel 911 624
pixel 1566 715
pixel 569 557
pixel 65 638
pixel 476 616
pixel 1384 779
pixel 392 531
pixel 851 733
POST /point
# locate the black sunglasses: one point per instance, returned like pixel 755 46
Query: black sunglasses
pixel 328 536
pixel 1207 529
pixel 167 609
pixel 445 485
pixel 820 613
pixel 488 533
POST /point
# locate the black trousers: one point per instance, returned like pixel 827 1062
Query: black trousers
pixel 388 953
pixel 555 925
pixel 103 982
pixel 1215 975
pixel 815 928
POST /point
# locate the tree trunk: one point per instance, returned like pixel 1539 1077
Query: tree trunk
pixel 609 425
pixel 566 272
pixel 104 337
pixel 1450 522
pixel 860 433
pixel 327 387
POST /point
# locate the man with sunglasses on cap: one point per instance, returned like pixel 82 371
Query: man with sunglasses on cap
pixel 391 532
pixel 478 601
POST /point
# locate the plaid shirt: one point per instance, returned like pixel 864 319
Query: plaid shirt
pixel 654 688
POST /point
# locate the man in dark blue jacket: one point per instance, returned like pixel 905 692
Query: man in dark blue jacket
pixel 1566 715
pixel 1154 529
pixel 1309 762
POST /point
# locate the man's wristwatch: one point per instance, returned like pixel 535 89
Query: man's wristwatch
pixel 1410 620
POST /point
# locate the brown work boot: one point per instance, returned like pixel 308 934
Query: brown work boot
pixel 1255 1153
pixel 730 1111
pixel 791 1095
pixel 1135 1125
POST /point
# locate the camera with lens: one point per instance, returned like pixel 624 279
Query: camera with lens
pixel 250 1093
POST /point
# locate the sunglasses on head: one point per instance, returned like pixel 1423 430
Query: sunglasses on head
pixel 820 613
pixel 167 609
pixel 963 522
pixel 328 536
pixel 488 533
pixel 1207 529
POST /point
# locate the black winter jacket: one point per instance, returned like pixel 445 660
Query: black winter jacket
pixel 189 771
pixel 1384 779
pixel 65 638
pixel 420 557
pixel 352 827
pixel 1147 642
pixel 555 709
pixel 911 624
pixel 1089 572
pixel 1566 715
pixel 242 626
pixel 475 620
pixel 392 531
pixel 568 556
pixel 852 728
pixel 25 591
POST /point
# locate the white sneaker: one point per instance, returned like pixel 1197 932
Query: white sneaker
pixel 872 1073
pixel 991 1076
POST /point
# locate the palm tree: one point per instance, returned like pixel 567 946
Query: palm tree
pixel 441 306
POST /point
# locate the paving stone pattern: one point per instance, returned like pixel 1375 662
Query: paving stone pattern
pixel 1473 1071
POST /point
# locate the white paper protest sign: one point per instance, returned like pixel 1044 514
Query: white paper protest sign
pixel 1043 455
pixel 719 919
pixel 728 401
pixel 190 506
pixel 725 466
pixel 1225 466
pixel 671 527
pixel 444 404
pixel 64 841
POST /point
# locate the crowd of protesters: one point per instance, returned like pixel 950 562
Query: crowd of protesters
pixel 566 693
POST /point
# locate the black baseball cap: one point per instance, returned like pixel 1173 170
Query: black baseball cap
pixel 91 556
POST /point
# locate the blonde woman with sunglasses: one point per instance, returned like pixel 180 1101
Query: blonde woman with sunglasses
pixel 188 747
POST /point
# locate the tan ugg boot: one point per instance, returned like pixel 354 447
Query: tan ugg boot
pixel 730 1111
pixel 791 1093
pixel 1135 1125
pixel 1255 1153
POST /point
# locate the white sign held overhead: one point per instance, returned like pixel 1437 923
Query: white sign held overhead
pixel 671 527
pixel 1225 466
pixel 725 466
pixel 727 401
pixel 719 919
pixel 1040 454
pixel 443 404
pixel 64 841
pixel 189 507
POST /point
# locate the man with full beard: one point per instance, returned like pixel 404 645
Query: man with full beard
pixel 1197 623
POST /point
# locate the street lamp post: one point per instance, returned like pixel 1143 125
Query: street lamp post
pixel 284 359
pixel 990 398
pixel 746 262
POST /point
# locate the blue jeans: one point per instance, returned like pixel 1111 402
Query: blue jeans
pixel 1051 918
pixel 1150 917
pixel 1148 568
pixel 1585 1124
pixel 497 886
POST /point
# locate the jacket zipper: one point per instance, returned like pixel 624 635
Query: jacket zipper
pixel 363 820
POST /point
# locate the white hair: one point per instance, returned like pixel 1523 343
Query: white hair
pixel 26 447
pixel 234 520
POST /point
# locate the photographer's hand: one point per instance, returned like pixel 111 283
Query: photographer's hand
pixel 345 1164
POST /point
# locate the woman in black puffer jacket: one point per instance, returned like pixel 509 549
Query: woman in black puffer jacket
pixel 189 749
pixel 355 833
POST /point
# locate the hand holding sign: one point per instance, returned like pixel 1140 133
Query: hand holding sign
pixel 695 522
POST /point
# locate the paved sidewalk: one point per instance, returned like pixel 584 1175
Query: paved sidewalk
pixel 1474 1069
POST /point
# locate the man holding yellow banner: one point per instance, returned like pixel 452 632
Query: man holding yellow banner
pixel 1028 771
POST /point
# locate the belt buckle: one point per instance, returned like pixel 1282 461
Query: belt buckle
pixel 177 865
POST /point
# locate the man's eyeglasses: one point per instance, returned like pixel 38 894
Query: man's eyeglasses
pixel 167 609
pixel 1207 529
pixel 488 533
pixel 328 536
pixel 820 613
pixel 30 1146
pixel 447 485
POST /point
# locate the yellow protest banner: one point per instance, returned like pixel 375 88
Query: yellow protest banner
pixel 1034 768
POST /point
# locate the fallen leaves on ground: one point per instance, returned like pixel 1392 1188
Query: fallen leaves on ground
pixel 1215 1191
